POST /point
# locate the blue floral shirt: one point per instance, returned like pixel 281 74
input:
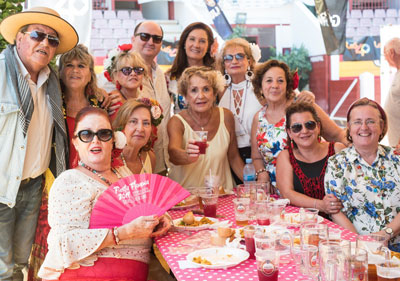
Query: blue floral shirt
pixel 370 193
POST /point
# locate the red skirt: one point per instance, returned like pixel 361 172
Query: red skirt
pixel 112 269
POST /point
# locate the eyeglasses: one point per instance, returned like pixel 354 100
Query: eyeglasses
pixel 128 70
pixel 368 122
pixel 88 135
pixel 39 36
pixel 309 125
pixel 146 37
pixel 238 56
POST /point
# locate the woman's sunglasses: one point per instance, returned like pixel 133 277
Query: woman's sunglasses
pixel 238 56
pixel 309 125
pixel 146 37
pixel 39 36
pixel 128 70
pixel 103 135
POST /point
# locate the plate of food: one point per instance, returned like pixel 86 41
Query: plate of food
pixel 294 218
pixel 189 202
pixel 192 223
pixel 218 258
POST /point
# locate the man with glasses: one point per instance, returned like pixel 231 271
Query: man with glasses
pixel 147 41
pixel 31 123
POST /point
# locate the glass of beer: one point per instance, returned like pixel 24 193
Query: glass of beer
pixel 201 141
pixel 242 208
pixel 388 271
pixel 313 233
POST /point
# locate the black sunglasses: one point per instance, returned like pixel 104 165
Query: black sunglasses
pixel 297 127
pixel 39 36
pixel 88 135
pixel 127 70
pixel 238 56
pixel 146 37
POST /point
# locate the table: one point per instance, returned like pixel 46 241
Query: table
pixel 247 270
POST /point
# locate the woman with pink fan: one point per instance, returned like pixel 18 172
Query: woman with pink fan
pixel 200 86
pixel 138 119
pixel 77 252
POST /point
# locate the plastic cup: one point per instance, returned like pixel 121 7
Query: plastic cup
pixel 308 215
pixel 249 232
pixel 209 204
pixel 267 265
pixel 313 233
pixel 277 209
pixel 242 207
pixel 333 260
pixel 388 271
pixel 310 260
pixel 212 182
pixel 335 234
pixel 297 256
pixel 201 141
pixel 359 265
pixel 263 212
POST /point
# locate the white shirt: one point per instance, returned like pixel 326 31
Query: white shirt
pixel 40 130
pixel 247 109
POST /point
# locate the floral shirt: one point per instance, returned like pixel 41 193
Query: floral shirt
pixel 370 193
pixel 271 140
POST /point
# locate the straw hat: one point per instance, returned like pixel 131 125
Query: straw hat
pixel 45 16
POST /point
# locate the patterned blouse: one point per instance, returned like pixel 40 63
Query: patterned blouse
pixel 370 193
pixel 271 140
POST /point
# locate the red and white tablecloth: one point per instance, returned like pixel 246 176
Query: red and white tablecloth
pixel 247 270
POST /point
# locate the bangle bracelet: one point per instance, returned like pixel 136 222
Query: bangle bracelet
pixel 260 171
pixel 115 235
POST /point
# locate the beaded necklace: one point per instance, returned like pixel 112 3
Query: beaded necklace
pixel 97 173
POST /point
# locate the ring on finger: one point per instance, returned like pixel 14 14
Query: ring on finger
pixel 331 203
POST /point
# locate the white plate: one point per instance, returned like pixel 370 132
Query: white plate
pixel 219 257
pixel 294 218
pixel 179 227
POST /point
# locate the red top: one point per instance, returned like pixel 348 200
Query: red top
pixel 73 154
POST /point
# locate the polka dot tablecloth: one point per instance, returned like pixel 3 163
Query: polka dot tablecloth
pixel 247 270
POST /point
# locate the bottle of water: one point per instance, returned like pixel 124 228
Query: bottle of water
pixel 249 172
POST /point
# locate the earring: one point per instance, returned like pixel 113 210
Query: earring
pixel 141 87
pixel 249 74
pixel 227 78
pixel 118 86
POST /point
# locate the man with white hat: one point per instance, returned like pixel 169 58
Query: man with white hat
pixel 32 128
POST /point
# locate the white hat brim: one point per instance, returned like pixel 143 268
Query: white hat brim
pixel 66 32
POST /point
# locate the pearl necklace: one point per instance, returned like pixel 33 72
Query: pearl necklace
pixel 97 173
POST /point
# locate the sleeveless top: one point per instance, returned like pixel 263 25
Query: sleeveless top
pixel 308 178
pixel 271 140
pixel 146 169
pixel 215 159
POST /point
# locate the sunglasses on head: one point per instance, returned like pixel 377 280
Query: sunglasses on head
pixel 127 70
pixel 146 37
pixel 238 56
pixel 39 36
pixel 309 125
pixel 103 135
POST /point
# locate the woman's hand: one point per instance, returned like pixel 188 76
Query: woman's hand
pixel 106 102
pixel 305 96
pixel 163 226
pixel 141 227
pixel 264 178
pixel 192 151
pixel 330 204
pixel 116 101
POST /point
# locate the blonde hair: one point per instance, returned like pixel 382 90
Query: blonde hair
pixel 132 58
pixel 233 43
pixel 207 73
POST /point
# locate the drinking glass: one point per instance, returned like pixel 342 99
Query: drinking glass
pixel 388 271
pixel 209 202
pixel 313 233
pixel 310 260
pixel 267 265
pixel 212 182
pixel 359 265
pixel 201 141
pixel 263 211
pixel 334 260
pixel 334 234
pixel 297 256
pixel 249 232
pixel 263 191
pixel 308 215
pixel 242 206
pixel 277 209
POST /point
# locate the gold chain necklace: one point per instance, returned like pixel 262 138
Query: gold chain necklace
pixel 197 124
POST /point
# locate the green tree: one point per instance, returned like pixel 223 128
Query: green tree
pixel 8 7
pixel 238 31
pixel 297 59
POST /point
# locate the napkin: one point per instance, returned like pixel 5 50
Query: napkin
pixel 184 264
pixel 221 224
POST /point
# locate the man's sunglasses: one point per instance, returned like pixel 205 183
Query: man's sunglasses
pixel 39 36
pixel 103 135
pixel 146 37
pixel 238 56
pixel 297 127
pixel 128 70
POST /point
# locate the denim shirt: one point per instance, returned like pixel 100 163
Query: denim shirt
pixel 12 140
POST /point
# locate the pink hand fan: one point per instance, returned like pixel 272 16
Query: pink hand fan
pixel 135 196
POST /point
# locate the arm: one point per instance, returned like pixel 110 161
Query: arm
pixel 235 160
pixel 152 159
pixel 343 221
pixel 116 101
pixel 178 155
pixel 331 131
pixel 394 224
pixel 304 96
pixel 255 154
pixel 284 182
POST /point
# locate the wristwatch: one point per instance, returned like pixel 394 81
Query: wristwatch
pixel 388 230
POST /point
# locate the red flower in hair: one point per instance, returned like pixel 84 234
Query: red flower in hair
pixel 116 160
pixel 107 75
pixel 295 80
pixel 125 47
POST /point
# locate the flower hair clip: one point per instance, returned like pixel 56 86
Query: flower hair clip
pixel 255 52
pixel 295 80
pixel 110 59
pixel 155 109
